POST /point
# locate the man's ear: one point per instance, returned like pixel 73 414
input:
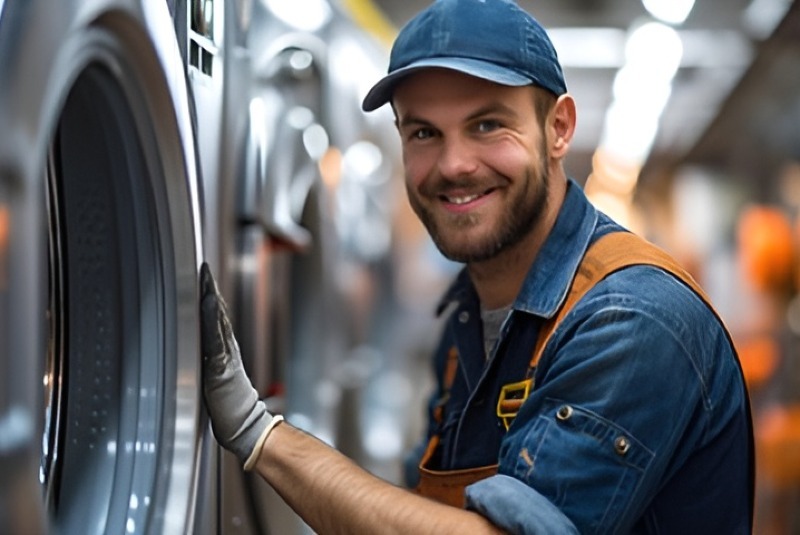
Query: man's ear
pixel 562 121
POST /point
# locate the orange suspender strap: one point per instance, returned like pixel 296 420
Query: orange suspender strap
pixel 450 368
pixel 611 253
pixel 608 254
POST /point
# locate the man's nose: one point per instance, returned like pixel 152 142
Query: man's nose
pixel 457 158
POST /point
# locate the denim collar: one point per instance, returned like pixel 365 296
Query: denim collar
pixel 548 280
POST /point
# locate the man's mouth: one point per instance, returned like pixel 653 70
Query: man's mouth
pixel 460 200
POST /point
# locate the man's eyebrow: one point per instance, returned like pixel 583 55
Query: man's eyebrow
pixel 492 108
pixel 410 120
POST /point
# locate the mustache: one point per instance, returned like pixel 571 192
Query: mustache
pixel 439 186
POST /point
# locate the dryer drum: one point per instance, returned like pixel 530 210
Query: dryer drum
pixel 108 369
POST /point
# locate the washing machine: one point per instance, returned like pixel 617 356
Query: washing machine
pixel 102 427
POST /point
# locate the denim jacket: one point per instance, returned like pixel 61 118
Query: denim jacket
pixel 638 420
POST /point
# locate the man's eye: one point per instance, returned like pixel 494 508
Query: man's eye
pixel 422 133
pixel 488 125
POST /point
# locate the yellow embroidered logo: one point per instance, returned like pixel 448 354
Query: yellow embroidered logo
pixel 512 396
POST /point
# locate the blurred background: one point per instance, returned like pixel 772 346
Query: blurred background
pixel 230 131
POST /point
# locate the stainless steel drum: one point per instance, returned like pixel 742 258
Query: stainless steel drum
pixel 101 425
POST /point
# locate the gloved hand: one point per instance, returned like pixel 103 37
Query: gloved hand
pixel 239 419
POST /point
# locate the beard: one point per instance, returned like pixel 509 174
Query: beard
pixel 524 209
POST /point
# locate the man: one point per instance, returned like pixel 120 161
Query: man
pixel 585 385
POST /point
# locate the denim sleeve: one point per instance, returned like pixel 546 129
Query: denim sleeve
pixel 621 395
pixel 517 508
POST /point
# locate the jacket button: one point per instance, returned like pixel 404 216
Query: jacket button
pixel 564 413
pixel 463 317
pixel 622 445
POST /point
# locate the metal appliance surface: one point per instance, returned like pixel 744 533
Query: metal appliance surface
pixel 100 408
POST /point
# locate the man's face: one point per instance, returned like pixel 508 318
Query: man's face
pixel 475 161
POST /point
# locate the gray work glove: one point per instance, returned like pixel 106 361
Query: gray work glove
pixel 239 419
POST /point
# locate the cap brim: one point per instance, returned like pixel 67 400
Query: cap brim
pixel 381 93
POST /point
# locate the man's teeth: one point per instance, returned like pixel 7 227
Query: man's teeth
pixel 462 200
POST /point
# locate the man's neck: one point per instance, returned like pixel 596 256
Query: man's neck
pixel 499 279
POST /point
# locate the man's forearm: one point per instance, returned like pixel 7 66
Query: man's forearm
pixel 333 495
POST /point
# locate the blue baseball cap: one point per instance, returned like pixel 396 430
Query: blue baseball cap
pixel 491 39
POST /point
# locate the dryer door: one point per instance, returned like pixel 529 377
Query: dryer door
pixel 100 408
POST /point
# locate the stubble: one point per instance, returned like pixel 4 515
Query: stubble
pixel 525 209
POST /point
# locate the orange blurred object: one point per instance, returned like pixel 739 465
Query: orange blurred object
pixel 778 446
pixel 766 248
pixel 759 356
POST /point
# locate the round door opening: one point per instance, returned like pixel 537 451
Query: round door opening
pixel 111 408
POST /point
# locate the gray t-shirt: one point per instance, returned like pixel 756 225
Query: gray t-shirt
pixel 492 321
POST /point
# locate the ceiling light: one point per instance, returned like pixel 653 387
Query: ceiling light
pixel 655 49
pixel 629 131
pixel 669 11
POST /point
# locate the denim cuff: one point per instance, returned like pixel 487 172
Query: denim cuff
pixel 517 508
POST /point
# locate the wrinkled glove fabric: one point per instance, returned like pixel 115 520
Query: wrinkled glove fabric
pixel 239 419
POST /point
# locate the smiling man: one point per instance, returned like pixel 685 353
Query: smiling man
pixel 478 169
pixel 585 383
